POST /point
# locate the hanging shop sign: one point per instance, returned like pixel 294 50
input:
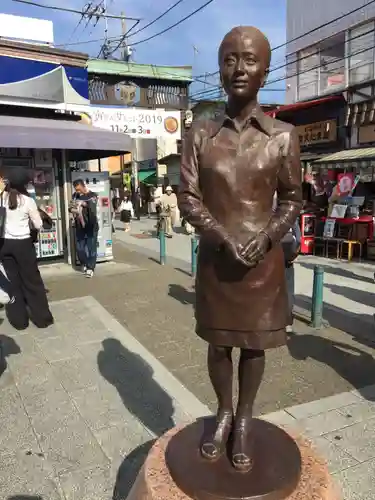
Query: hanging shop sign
pixel 137 123
pixel 366 134
pixel 317 133
pixel 120 94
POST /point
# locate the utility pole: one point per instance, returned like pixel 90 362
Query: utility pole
pixel 124 54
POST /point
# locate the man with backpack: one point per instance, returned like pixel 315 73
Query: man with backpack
pixel 83 208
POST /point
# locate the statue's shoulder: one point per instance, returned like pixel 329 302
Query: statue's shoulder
pixel 206 127
pixel 280 127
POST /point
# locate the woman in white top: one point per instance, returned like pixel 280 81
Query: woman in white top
pixel 17 253
pixel 126 212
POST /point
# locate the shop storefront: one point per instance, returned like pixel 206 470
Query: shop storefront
pixel 51 149
pixel 345 183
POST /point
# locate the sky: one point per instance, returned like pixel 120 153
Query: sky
pixel 204 31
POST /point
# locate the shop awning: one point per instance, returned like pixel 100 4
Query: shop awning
pixel 304 105
pixel 356 155
pixel 147 176
pixel 82 142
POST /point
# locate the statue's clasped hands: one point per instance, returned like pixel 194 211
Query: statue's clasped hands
pixel 252 252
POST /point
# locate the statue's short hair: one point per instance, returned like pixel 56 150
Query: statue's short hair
pixel 245 31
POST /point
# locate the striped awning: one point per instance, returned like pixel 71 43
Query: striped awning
pixel 362 158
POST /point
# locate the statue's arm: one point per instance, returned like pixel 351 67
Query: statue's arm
pixel 190 199
pixel 289 189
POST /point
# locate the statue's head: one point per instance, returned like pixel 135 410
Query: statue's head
pixel 244 60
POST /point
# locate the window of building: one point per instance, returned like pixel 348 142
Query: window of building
pixel 308 73
pixel 321 67
pixel 361 53
pixel 332 63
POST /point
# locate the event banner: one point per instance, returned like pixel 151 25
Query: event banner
pixel 138 123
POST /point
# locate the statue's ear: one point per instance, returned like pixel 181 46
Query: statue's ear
pixel 265 77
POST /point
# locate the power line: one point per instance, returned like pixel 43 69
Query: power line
pixel 175 24
pixel 298 73
pixel 297 60
pixel 317 28
pixel 74 11
pixel 157 18
pixel 88 6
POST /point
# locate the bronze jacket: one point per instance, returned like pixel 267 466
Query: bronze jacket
pixel 227 183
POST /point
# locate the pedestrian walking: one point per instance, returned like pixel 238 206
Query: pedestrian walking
pixel 18 256
pixel 126 212
pixel 169 207
pixel 83 208
pixel 291 246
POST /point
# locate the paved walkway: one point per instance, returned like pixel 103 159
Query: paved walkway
pixel 81 406
pixel 348 292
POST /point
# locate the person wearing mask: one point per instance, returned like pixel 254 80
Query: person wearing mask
pixel 83 208
pixel 126 212
pixel 169 207
pixel 18 256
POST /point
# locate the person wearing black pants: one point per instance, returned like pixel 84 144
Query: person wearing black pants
pixel 20 264
pixel 17 253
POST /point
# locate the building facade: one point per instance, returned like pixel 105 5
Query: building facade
pixel 337 56
pixel 144 86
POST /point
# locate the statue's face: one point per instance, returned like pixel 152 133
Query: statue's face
pixel 244 58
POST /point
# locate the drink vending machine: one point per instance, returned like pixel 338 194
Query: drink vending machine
pixel 99 183
pixel 307 225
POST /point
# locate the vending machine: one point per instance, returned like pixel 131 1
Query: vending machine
pixel 44 189
pixel 98 183
pixel 46 194
pixel 307 225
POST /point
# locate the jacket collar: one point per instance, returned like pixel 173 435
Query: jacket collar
pixel 257 117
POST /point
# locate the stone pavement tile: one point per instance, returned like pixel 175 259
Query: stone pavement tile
pixel 363 410
pixel 24 344
pixel 99 408
pixel 35 378
pixel 58 349
pixel 75 374
pixel 51 412
pixel 89 484
pixel 357 483
pixel 71 447
pixel 281 418
pixel 330 421
pixel 16 433
pixel 322 405
pixel 119 441
pixel 356 440
pixel 6 380
pixel 337 459
pixel 22 475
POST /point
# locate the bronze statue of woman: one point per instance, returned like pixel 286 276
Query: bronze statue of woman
pixel 230 170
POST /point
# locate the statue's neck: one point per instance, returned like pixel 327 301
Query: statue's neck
pixel 239 110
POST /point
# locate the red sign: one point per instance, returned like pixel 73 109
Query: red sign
pixel 345 183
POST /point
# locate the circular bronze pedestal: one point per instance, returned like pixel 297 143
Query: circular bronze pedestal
pixel 275 475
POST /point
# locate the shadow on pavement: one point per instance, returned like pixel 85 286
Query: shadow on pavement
pixel 24 497
pixel 142 396
pixel 129 469
pixel 360 326
pixel 360 296
pixel 339 272
pixel 351 363
pixel 8 346
pixel 181 294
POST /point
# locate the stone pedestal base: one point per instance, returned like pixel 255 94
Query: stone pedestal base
pixel 154 481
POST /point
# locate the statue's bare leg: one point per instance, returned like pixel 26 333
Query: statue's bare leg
pixel 250 374
pixel 220 369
